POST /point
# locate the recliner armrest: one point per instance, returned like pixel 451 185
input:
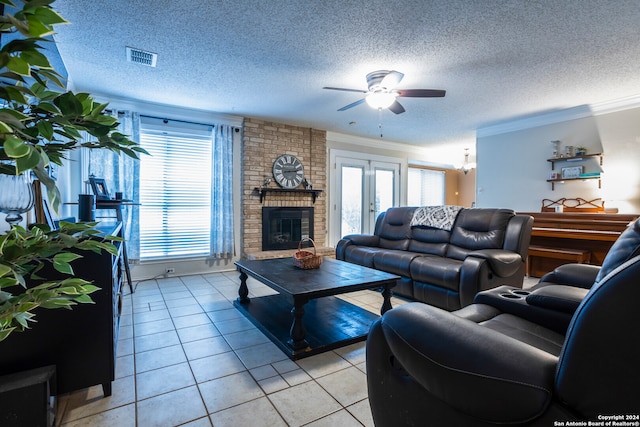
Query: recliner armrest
pixel 476 370
pixel 580 275
pixel 557 297
pixel 503 263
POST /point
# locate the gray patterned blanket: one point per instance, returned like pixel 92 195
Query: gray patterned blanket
pixel 441 217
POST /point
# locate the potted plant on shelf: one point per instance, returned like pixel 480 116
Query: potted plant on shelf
pixel 40 122
pixel 581 151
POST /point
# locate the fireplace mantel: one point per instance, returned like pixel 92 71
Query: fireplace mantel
pixel 263 192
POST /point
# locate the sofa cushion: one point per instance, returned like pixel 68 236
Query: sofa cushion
pixel 443 272
pixel 395 230
pixel 395 262
pixel 478 229
pixel 429 240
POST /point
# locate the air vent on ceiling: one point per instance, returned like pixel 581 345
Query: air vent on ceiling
pixel 141 57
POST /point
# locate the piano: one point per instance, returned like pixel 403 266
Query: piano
pixel 572 236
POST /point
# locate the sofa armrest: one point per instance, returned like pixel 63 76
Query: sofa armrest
pixel 580 275
pixel 363 239
pixel 557 297
pixel 503 263
pixel 355 239
pixel 502 380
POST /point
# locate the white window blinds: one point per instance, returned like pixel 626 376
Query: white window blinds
pixel 426 187
pixel 175 189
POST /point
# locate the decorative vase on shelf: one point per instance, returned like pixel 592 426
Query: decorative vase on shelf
pixel 16 196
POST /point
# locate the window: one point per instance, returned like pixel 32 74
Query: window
pixel 425 187
pixel 175 189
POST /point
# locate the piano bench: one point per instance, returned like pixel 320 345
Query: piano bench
pixel 562 255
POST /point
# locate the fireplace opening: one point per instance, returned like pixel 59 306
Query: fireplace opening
pixel 285 227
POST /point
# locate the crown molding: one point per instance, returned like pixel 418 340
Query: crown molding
pixel 373 143
pixel 170 111
pixel 579 112
pixel 616 105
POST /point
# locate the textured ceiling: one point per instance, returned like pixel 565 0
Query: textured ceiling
pixel 498 60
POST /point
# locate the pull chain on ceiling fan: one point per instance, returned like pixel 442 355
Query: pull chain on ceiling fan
pixel 382 92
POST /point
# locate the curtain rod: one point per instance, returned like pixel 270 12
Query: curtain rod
pixel 165 120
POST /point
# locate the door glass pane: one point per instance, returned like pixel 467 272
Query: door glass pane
pixel 351 200
pixel 384 191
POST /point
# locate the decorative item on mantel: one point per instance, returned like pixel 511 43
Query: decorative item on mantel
pixel 307 184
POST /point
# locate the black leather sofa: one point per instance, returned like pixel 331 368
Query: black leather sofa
pixel 444 266
pixel 565 350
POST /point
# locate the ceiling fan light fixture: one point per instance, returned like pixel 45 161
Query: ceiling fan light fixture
pixel 380 100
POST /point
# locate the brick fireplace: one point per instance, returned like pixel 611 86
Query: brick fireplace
pixel 262 143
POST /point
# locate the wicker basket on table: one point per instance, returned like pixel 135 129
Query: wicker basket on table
pixel 306 260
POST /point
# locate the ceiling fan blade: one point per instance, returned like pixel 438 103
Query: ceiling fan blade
pixel 396 108
pixel 353 104
pixel 421 93
pixel 346 90
pixel 392 79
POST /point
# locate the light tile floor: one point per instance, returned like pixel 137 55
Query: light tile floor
pixel 187 356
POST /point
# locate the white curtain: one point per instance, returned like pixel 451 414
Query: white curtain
pixel 121 173
pixel 222 242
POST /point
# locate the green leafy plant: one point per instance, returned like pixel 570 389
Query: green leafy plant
pixel 24 253
pixel 580 150
pixel 40 122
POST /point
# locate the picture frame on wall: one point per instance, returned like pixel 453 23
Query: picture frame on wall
pixel 571 172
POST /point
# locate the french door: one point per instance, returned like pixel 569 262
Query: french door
pixel 362 189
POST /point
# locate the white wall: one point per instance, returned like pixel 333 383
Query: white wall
pixel 620 134
pixel 513 167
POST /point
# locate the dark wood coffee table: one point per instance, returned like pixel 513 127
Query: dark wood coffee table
pixel 305 317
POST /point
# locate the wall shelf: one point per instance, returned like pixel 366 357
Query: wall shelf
pixel 574 158
pixel 555 160
pixel 552 181
pixel 262 192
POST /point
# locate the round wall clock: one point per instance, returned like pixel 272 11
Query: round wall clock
pixel 288 171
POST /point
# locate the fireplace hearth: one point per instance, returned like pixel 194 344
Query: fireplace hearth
pixel 285 227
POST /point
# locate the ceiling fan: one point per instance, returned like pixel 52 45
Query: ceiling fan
pixel 382 92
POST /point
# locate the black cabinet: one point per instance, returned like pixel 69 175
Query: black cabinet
pixel 81 342
pixel 27 398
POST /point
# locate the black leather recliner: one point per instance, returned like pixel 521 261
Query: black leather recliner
pixel 566 350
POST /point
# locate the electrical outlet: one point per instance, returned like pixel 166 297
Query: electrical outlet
pixel 170 270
